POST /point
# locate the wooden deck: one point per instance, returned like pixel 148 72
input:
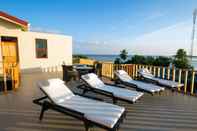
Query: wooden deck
pixel 166 112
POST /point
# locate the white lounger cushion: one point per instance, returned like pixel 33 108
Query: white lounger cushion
pixel 100 112
pixel 168 83
pixel 123 76
pixel 103 113
pixel 56 89
pixel 93 80
pixel 147 74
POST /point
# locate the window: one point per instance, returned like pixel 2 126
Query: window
pixel 41 48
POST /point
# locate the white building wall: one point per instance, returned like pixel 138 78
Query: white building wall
pixel 59 50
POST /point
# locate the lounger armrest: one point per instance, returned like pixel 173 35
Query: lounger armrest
pixel 150 80
pixel 120 86
pixel 38 101
pixel 90 97
pixel 83 86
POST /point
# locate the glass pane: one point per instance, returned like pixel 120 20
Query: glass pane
pixel 41 48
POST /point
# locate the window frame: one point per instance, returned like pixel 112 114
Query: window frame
pixel 41 49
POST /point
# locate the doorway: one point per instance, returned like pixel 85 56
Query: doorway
pixel 10 60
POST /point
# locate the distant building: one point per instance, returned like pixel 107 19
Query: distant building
pixel 32 50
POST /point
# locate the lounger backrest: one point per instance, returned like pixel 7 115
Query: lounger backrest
pixel 55 89
pixel 123 75
pixel 145 72
pixel 93 80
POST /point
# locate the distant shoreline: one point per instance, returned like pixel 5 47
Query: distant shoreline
pixel 111 58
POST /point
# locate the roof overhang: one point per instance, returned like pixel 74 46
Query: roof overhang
pixel 22 23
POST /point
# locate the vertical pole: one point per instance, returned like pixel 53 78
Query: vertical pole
pixel 163 72
pixel 136 68
pixel 154 71
pixel 150 69
pixel 168 73
pixel 158 72
pixel 193 32
pixel 133 70
pixel 173 74
pixel 192 83
pixel 185 83
pixel 180 73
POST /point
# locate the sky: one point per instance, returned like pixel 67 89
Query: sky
pixel 144 27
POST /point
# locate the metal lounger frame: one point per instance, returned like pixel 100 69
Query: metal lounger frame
pixel 119 81
pixel 46 105
pixel 86 88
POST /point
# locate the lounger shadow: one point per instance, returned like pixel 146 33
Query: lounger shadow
pixel 122 77
pixel 94 84
pixel 91 111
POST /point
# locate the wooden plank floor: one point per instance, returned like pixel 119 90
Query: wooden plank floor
pixel 166 112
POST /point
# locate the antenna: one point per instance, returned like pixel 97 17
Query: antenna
pixel 193 32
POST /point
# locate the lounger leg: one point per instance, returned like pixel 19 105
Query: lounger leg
pixel 44 108
pixel 84 91
pixel 114 100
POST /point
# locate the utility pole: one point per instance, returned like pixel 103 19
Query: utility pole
pixel 193 33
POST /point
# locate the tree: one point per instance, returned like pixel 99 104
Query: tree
pixel 162 61
pixel 123 54
pixel 117 61
pixel 121 59
pixel 137 59
pixel 149 60
pixel 180 60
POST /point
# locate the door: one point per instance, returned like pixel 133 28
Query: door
pixel 11 61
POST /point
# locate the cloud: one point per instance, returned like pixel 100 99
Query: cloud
pixel 95 47
pixel 154 15
pixel 40 29
pixel 165 41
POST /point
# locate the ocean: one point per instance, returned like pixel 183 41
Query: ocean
pixel 113 57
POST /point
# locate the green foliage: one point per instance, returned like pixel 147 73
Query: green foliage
pixel 123 54
pixel 137 59
pixel 122 57
pixel 80 56
pixel 140 59
pixel 180 60
pixel 150 60
pixel 117 61
pixel 162 61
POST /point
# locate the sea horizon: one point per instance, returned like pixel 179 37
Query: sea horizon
pixel 112 57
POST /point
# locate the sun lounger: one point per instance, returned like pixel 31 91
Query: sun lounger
pixel 146 74
pixel 93 83
pixel 125 79
pixel 92 112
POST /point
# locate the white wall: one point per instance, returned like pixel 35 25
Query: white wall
pixel 59 50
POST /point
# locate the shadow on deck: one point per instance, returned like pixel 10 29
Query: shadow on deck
pixel 166 112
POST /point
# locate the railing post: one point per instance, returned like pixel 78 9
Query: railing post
pixel 180 72
pixel 192 82
pixel 150 69
pixel 158 72
pixel 5 81
pixel 133 70
pixel 136 69
pixel 168 73
pixel 173 74
pixel 185 83
pixel 154 71
pixel 163 72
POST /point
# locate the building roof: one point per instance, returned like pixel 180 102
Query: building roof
pixel 14 20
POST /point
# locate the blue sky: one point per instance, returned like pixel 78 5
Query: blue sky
pixel 150 27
